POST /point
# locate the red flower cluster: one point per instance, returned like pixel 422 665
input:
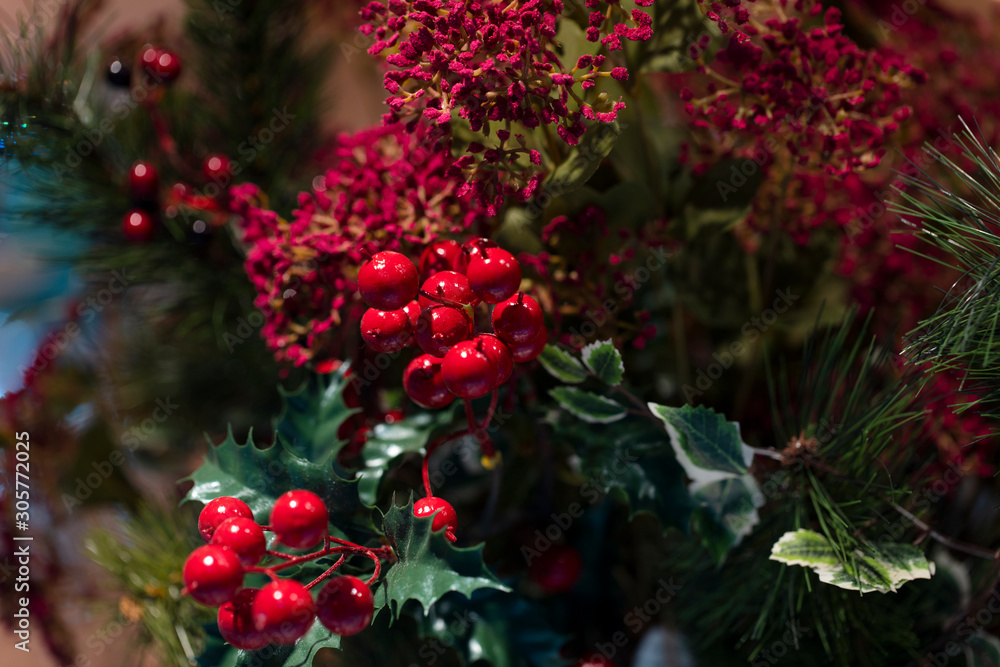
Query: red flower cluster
pixel 495 62
pixel 385 189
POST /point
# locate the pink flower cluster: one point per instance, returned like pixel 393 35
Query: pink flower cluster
pixel 385 190
pixel 494 63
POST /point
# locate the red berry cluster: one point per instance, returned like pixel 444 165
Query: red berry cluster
pixel 457 360
pixel 283 610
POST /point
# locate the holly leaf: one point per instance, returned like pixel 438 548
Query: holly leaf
pixel 561 365
pixel 299 655
pixel 604 361
pixel 584 160
pixel 883 569
pixel 428 566
pixel 726 513
pixel 706 445
pixel 588 406
pixel 258 476
pixel 312 416
pixel 386 443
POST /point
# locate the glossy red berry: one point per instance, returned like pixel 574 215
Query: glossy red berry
pixel 413 311
pixel 236 622
pixel 424 384
pixel 441 327
pixel 162 64
pixel 217 168
pixel 143 180
pixel 449 286
pixel 524 352
pixel 444 255
pixel 283 611
pixel 388 281
pixel 386 330
pixel 212 574
pixel 299 519
pixel 138 225
pixel 467 371
pixel 499 353
pixel 445 519
pixel 558 569
pixel 345 606
pixel 494 274
pixel 244 537
pixel 518 319
pixel 217 511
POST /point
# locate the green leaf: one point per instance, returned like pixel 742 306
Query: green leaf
pixel 299 655
pixel 982 650
pixel 604 361
pixel 386 443
pixel 584 160
pixel 588 406
pixel 706 445
pixel 883 569
pixel 258 476
pixel 727 512
pixel 312 416
pixel 429 566
pixel 561 365
pixel 676 26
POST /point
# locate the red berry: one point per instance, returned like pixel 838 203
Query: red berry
pixel 162 64
pixel 445 518
pixel 558 569
pixel 499 353
pixel 212 574
pixel 449 286
pixel 345 606
pixel 518 319
pixel 386 330
pixel 440 327
pixel 283 611
pixel 524 352
pixel 595 660
pixel 143 180
pixel 424 384
pixel 217 168
pixel 494 274
pixel 217 511
pixel 236 622
pixel 467 370
pixel 138 225
pixel 445 255
pixel 244 537
pixel 413 312
pixel 299 519
pixel 388 281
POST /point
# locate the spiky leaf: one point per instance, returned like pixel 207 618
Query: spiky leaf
pixel 561 365
pixel 588 406
pixel 429 566
pixel 706 445
pixel 604 361
pixel 312 416
pixel 727 512
pixel 299 655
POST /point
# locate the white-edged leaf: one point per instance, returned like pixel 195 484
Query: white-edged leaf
pixel 604 361
pixel 588 406
pixel 561 365
pixel 733 503
pixel 708 447
pixel 873 570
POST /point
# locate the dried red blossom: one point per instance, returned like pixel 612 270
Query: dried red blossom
pixel 385 190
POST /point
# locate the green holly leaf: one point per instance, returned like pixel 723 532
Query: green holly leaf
pixel 258 476
pixel 883 569
pixel 588 406
pixel 429 566
pixel 312 416
pixel 387 443
pixel 706 445
pixel 584 160
pixel 726 513
pixel 604 361
pixel 299 655
pixel 561 365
